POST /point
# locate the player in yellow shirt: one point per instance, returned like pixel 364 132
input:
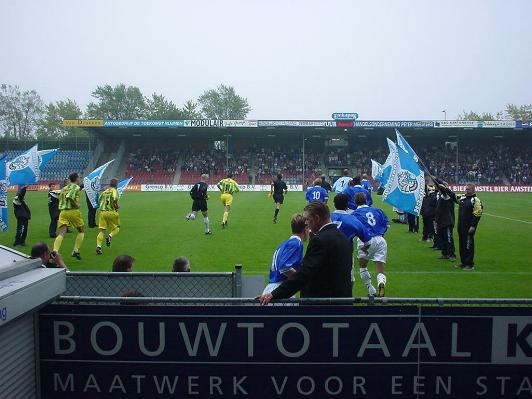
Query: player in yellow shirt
pixel 109 219
pixel 228 187
pixel 70 215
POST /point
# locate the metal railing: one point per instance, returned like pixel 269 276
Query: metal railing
pixel 300 301
pixel 155 285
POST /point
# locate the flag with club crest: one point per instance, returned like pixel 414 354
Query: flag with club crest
pixel 24 169
pixel 91 183
pixel 405 186
pixel 3 196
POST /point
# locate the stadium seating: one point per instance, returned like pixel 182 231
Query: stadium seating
pixel 155 166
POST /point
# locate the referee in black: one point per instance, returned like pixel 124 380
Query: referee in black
pixel 278 190
pixel 199 196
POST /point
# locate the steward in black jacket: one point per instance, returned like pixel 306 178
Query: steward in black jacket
pixel 23 215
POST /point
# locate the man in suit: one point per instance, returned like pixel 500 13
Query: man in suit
pixel 326 269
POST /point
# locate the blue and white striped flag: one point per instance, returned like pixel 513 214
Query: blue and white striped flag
pixel 91 183
pixel 403 144
pixel 3 196
pixel 405 187
pixel 24 169
pixel 122 184
pixel 45 156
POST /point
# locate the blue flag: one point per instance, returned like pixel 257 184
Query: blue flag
pixel 3 195
pixel 376 170
pixel 403 144
pixel 24 169
pixel 45 156
pixel 122 184
pixel 91 183
pixel 405 187
pixel 387 165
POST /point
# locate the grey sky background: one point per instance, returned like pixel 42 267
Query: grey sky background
pixel 292 59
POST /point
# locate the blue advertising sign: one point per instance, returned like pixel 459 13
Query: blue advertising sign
pixel 523 124
pixel 143 123
pixel 119 351
pixel 349 116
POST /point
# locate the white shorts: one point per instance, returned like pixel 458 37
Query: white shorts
pixel 377 249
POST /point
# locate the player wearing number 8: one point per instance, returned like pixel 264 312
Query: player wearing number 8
pixel 376 222
pixel 227 187
pixel 317 193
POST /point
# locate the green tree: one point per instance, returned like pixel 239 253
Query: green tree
pixel 473 116
pixel 118 102
pixel 223 103
pixel 158 107
pixel 20 111
pixel 191 111
pixel 51 125
pixel 519 112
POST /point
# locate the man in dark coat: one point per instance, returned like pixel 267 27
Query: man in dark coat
pixel 23 215
pixel 53 209
pixel 327 265
pixel 445 220
pixel 428 210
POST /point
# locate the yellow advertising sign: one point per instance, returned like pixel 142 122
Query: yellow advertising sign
pixel 83 123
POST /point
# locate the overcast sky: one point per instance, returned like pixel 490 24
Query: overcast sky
pixel 299 59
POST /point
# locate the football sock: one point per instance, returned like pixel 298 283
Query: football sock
pixel 79 241
pixel 115 231
pixel 365 276
pixel 99 239
pixel 276 212
pixel 226 216
pixel 57 243
pixel 381 278
pixel 206 223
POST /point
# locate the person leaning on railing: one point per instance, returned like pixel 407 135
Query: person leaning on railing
pixel 327 264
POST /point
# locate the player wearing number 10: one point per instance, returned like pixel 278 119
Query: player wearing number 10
pixel 228 187
pixel 109 219
pixel 317 193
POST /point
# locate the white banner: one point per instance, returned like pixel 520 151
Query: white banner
pixel 212 187
pixel 219 123
pixel 289 123
pixel 495 189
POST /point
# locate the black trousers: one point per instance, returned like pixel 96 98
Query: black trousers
pixel 92 217
pixel 447 241
pixel 413 223
pixel 52 230
pixel 466 245
pixel 22 231
pixel 428 227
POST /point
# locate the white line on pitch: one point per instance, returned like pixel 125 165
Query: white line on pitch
pixel 504 217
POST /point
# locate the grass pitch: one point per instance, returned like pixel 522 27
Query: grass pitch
pixel 155 233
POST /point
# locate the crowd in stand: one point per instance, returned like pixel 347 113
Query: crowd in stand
pixel 149 160
pixel 480 164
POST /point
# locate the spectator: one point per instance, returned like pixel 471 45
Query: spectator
pixel 327 265
pixel 48 258
pixel 123 263
pixel 181 265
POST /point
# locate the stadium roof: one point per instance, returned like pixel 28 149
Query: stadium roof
pixel 211 128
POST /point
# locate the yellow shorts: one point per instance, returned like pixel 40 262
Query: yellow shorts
pixel 227 199
pixel 71 218
pixel 108 220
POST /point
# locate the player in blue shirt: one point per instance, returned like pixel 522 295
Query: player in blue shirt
pixel 364 182
pixel 355 188
pixel 348 224
pixel 377 223
pixel 341 184
pixel 288 257
pixel 317 193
